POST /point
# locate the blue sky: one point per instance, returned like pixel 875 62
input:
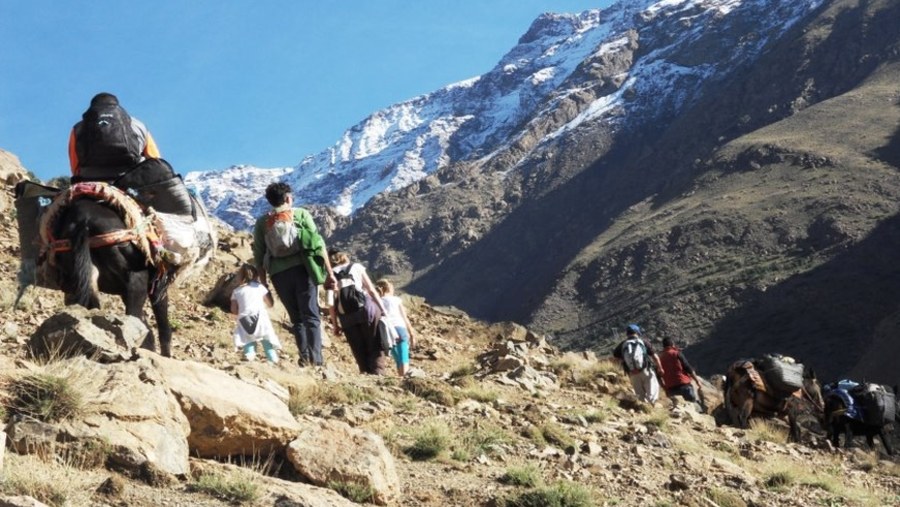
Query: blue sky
pixel 229 82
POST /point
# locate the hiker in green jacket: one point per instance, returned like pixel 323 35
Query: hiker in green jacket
pixel 288 250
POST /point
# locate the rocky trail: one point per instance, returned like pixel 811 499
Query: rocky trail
pixel 492 415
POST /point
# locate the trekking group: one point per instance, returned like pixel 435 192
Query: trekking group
pixel 113 154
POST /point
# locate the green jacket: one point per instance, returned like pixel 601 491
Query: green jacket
pixel 310 255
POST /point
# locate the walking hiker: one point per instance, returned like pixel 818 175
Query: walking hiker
pixel 108 142
pixel 249 302
pixel 396 315
pixel 355 310
pixel 288 250
pixel 641 364
pixel 678 373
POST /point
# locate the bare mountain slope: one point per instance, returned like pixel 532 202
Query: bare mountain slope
pixel 724 224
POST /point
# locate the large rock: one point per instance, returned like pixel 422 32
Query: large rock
pixel 11 172
pixel 333 451
pixel 131 417
pixel 278 492
pixel 103 336
pixel 227 416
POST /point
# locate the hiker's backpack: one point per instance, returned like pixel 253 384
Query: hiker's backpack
pixel 349 298
pixel 105 138
pixel 634 354
pixel 281 236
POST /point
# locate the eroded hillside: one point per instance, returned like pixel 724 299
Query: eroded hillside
pixel 494 414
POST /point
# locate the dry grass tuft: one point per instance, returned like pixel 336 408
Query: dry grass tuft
pixel 768 431
pixel 50 480
pixel 324 393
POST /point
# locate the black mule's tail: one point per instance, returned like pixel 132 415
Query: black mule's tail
pixel 83 268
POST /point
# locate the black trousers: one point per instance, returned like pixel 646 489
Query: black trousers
pixel 300 297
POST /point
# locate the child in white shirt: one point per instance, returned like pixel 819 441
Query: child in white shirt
pixel 396 315
pixel 248 303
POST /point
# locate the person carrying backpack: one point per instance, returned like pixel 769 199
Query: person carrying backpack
pixel 288 249
pixel 678 373
pixel 356 309
pixel 108 142
pixel 641 363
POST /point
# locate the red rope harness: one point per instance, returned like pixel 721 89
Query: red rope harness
pixel 140 231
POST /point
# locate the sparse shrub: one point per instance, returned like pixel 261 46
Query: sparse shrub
pixel 658 420
pixel 49 479
pixel 46 397
pixel 175 323
pixel 725 498
pixel 779 481
pixel 561 494
pixel 358 493
pixel 482 440
pixel 481 394
pixel 599 369
pixel 302 398
pixel 595 416
pixel 528 476
pixel 763 429
pixel 430 390
pixel 430 442
pixel 466 370
pixel 534 434
pixel 556 434
pixel 461 455
pixel 236 488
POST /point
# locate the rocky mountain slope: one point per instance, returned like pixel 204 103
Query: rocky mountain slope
pixel 724 172
pixel 510 420
pixel 755 217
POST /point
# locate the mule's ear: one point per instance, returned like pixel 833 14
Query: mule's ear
pixel 811 374
pixel 896 390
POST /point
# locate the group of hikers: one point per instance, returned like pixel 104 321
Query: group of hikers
pixel 647 370
pixel 289 252
pixel 846 407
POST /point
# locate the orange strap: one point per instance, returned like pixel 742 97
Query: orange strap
pixel 98 241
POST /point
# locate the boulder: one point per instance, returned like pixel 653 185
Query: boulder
pixel 227 416
pixel 126 434
pixel 361 458
pixel 278 492
pixel 103 336
pixel 11 172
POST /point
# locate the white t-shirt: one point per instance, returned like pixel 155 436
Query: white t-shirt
pixel 250 299
pixel 392 306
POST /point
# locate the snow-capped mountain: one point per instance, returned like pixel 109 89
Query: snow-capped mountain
pixel 634 63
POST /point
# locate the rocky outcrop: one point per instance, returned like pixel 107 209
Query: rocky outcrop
pixel 361 458
pixel 11 172
pixel 101 335
pixel 129 435
pixel 227 416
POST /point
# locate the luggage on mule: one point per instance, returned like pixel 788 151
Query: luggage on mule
pixel 154 184
pixel 783 375
pixel 187 236
pixel 32 200
pixel 877 403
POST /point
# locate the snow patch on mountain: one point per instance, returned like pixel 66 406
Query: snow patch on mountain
pixel 684 44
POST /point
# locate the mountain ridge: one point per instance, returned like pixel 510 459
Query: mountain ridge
pixel 702 116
